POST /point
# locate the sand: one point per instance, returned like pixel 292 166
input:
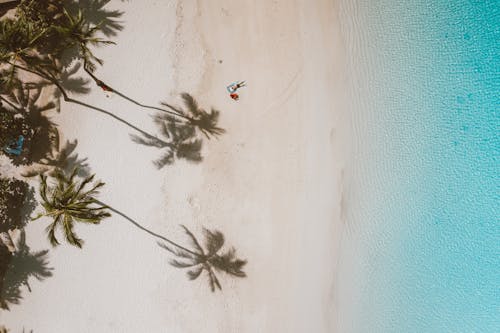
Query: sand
pixel 272 184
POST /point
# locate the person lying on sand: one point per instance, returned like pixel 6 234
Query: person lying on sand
pixel 235 86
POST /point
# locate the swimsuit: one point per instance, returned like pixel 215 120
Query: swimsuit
pixel 17 149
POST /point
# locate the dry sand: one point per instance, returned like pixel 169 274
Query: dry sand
pixel 272 183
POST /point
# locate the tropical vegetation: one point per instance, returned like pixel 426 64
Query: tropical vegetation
pixel 43 47
pixel 70 201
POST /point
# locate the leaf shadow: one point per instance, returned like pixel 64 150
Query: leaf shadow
pixel 64 159
pixel 23 265
pixel 39 132
pixel 72 84
pixel 179 141
pixel 210 258
pixel 181 135
pixel 94 12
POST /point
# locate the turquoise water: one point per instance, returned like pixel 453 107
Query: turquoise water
pixel 424 185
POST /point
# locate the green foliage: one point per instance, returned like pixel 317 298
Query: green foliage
pixel 45 35
pixel 210 259
pixel 68 201
pixel 19 38
pixel 45 13
pixel 78 33
pixel 44 38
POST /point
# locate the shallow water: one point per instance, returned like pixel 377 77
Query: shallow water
pixel 423 188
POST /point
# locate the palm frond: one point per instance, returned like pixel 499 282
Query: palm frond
pixel 51 231
pixel 69 232
pixel 69 201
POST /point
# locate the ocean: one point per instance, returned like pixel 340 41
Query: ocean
pixel 422 184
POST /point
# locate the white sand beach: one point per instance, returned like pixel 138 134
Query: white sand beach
pixel 272 183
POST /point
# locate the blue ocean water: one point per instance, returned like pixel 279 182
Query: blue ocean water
pixel 425 185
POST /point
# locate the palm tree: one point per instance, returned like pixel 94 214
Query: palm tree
pixel 19 37
pixel 18 41
pixel 44 37
pixel 69 201
pixel 61 30
pixel 79 33
pixel 208 259
pixel 96 13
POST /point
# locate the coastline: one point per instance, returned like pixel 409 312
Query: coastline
pixel 423 227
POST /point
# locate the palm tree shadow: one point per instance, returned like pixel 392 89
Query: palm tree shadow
pixel 205 122
pixel 24 264
pixel 193 115
pixel 211 260
pixel 94 12
pixel 64 160
pixel 5 330
pixel 181 139
pixel 72 84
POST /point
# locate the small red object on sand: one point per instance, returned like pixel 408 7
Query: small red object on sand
pixel 104 86
pixel 234 96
